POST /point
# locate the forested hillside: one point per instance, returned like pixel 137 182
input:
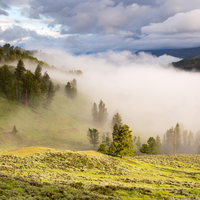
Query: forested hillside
pixel 36 110
pixel 188 64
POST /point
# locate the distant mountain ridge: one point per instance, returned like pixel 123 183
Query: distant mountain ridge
pixel 190 53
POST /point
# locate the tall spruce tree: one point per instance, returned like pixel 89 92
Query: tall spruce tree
pixel 103 114
pixel 93 135
pixel 115 132
pixel 137 144
pixel 70 90
pixel 116 120
pixel 19 71
pixel 169 141
pixel 38 73
pixel 177 139
pixel 123 142
pixel 50 93
pixel 95 116
pixel 6 81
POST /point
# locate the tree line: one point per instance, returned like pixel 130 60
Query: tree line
pixel 30 89
pixel 122 142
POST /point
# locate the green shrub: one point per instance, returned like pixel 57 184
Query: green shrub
pixel 102 148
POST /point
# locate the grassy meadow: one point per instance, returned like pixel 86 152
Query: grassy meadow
pixel 45 173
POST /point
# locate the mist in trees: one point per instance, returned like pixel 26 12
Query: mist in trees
pixel 176 141
pixel 116 120
pixel 29 89
pixel 71 89
pixel 93 135
pixel 99 114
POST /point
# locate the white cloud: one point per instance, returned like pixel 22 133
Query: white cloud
pixel 179 23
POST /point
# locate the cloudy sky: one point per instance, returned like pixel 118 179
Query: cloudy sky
pixel 81 26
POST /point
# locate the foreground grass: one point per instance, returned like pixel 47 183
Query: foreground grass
pixel 44 173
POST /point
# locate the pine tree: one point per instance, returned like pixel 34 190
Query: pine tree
pixel 102 148
pixel 27 81
pixel 14 130
pixel 93 135
pixel 169 141
pixel 106 140
pixel 38 73
pixel 35 95
pixel 103 114
pixel 50 93
pixel 176 139
pixel 123 142
pixel 95 113
pixel 74 83
pixel 137 144
pixel 70 91
pixel 144 148
pixel 116 120
pixel 19 72
pixel 153 147
pixel 6 81
pixel 185 140
pixel 159 145
pixel 112 149
pixel 115 132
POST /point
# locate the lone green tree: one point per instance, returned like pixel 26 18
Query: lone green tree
pixel 153 149
pixel 93 135
pixel 123 142
pixel 144 148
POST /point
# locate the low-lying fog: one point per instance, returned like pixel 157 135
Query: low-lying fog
pixel 150 95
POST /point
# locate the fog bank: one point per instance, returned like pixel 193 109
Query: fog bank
pixel 150 95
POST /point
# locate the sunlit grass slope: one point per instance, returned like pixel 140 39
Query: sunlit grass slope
pixel 62 125
pixel 39 172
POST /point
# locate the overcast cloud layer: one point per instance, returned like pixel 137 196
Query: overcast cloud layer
pixel 99 25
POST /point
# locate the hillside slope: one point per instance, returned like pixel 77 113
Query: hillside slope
pixel 63 124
